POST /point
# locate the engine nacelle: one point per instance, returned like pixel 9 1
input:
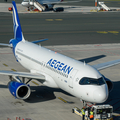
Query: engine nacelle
pixel 49 6
pixel 59 9
pixel 109 84
pixel 19 90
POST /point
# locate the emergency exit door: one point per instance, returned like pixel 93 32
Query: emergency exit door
pixel 70 82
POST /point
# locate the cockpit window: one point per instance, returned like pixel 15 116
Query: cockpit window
pixel 92 81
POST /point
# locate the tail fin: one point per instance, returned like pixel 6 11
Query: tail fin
pixel 18 35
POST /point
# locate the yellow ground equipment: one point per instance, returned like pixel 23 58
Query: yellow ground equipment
pixel 101 112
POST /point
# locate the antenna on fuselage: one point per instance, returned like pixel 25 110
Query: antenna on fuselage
pixel 84 63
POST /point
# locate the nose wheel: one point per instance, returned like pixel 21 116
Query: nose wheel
pixel 87 104
pixel 84 103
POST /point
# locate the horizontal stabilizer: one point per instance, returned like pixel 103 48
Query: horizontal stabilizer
pixel 6 45
pixel 106 64
pixel 38 41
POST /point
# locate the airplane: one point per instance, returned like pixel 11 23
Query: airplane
pixel 43 5
pixel 54 70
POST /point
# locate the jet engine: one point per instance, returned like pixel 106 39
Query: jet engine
pixel 58 9
pixel 19 90
pixel 109 84
pixel 49 6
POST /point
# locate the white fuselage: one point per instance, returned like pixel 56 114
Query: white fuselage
pixel 61 71
pixel 28 3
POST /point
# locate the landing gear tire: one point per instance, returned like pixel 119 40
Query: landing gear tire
pixel 72 110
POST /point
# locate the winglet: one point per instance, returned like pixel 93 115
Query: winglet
pixel 18 35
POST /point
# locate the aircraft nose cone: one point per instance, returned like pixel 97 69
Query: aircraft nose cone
pixel 100 96
pixel 22 3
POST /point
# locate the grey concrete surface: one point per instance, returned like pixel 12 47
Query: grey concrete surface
pixel 64 28
pixel 43 103
pixel 69 30
pixel 67 8
pixel 110 3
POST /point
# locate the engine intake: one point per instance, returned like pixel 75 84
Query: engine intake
pixel 19 90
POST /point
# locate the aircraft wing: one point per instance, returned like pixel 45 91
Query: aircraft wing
pixel 47 2
pixel 23 74
pixel 106 64
pixel 70 1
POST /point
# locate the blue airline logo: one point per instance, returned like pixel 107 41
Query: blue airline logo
pixel 59 66
pixel 16 24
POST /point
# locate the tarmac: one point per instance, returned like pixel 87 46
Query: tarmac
pixel 4 8
pixel 64 28
pixel 67 8
pixel 54 104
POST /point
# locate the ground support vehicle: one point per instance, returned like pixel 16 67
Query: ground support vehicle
pixel 101 112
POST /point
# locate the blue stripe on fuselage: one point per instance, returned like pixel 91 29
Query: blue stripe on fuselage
pixel 14 42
